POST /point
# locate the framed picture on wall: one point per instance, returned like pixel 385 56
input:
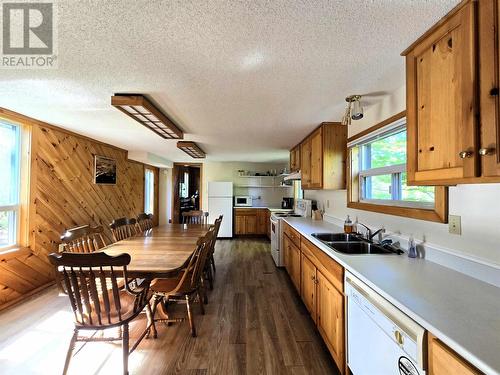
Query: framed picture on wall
pixel 104 170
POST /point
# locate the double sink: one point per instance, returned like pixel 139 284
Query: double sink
pixel 354 244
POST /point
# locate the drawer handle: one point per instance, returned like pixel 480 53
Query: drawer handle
pixel 399 337
pixel 465 154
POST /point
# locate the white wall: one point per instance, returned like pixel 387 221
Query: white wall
pixel 228 171
pixel 478 205
pixel 165 195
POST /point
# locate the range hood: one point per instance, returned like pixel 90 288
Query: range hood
pixel 293 176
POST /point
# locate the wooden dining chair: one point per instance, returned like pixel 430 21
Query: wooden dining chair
pixel 123 228
pixel 145 221
pixel 83 239
pixel 92 282
pixel 186 286
pixel 209 271
pixel 195 217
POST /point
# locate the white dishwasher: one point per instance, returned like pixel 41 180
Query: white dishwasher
pixel 381 340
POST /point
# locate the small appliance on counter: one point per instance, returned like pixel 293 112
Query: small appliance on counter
pixel 287 203
pixel 243 201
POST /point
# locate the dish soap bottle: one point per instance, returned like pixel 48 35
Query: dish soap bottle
pixel 412 248
pixel 348 227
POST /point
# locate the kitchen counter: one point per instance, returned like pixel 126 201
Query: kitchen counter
pixel 267 208
pixel 461 311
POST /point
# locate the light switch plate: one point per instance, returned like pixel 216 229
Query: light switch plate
pixel 454 224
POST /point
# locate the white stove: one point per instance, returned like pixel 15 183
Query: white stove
pixel 302 209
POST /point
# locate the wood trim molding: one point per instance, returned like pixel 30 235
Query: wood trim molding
pixel 439 214
pixel 381 124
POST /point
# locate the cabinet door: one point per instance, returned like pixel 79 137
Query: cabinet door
pixel 443 360
pixel 239 224
pixel 251 224
pixel 268 223
pixel 316 176
pixel 295 265
pixel 305 163
pixel 262 221
pixel 489 87
pixel 308 285
pixel 286 254
pixel 330 320
pixel 295 159
pixel 441 102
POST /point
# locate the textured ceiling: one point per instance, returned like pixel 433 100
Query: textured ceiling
pixel 244 79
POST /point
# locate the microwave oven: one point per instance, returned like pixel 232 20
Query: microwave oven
pixel 243 201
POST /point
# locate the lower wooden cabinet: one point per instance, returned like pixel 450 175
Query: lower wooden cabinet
pixel 319 280
pixel 330 318
pixel 250 221
pixel 292 261
pixel 308 284
pixel 443 360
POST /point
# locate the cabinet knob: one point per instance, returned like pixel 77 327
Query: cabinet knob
pixel 486 151
pixel 494 91
pixel 465 154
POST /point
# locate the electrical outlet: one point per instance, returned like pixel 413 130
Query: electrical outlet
pixel 328 203
pixel 454 224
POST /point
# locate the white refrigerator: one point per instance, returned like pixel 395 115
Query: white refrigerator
pixel 220 202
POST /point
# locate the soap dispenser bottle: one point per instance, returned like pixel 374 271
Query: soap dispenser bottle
pixel 348 227
pixel 412 248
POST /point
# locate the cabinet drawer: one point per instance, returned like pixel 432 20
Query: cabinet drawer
pixel 333 271
pixel 292 234
pixel 245 211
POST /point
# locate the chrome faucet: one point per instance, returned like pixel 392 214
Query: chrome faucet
pixel 369 234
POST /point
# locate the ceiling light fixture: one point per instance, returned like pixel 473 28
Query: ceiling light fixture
pixel 192 149
pixel 354 109
pixel 144 112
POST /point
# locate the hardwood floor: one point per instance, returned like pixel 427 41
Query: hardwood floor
pixel 255 323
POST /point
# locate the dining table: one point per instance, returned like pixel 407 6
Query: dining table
pixel 159 252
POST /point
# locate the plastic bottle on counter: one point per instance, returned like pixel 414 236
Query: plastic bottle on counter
pixel 348 226
pixel 412 248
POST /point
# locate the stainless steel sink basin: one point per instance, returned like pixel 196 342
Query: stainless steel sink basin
pixel 353 244
pixel 359 248
pixel 337 237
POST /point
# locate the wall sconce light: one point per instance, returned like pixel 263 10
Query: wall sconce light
pixel 354 109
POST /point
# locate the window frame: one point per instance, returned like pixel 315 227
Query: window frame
pixel 355 176
pixel 149 189
pixel 19 209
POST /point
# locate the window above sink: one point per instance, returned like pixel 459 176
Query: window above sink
pixel 378 178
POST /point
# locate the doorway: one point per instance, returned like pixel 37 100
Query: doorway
pixel 186 192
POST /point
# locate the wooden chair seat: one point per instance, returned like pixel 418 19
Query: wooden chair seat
pixel 167 286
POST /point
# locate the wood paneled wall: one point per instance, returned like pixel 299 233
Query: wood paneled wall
pixel 63 195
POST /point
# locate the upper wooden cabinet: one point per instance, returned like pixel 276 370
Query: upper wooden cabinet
pixel 295 159
pixel 452 99
pixel 323 157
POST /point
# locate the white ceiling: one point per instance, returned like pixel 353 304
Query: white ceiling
pixel 245 79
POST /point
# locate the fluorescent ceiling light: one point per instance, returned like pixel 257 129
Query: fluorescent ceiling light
pixel 143 111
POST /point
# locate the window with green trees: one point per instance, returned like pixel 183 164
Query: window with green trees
pixel 382 172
